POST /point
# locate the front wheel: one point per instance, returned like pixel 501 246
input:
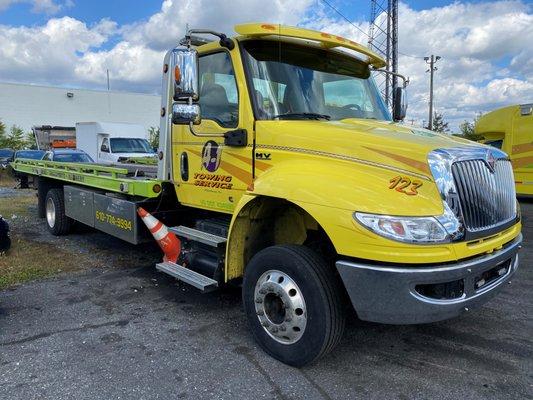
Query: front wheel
pixel 292 300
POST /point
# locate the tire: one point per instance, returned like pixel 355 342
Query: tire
pixel 304 314
pixel 57 222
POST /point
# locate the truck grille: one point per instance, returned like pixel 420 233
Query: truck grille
pixel 487 197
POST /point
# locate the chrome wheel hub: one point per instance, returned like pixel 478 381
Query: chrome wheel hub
pixel 280 307
pixel 50 213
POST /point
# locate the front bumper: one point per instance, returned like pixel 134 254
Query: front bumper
pixel 399 295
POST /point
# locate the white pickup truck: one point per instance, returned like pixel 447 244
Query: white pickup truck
pixel 110 143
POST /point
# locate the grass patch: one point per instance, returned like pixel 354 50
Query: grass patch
pixel 6 179
pixel 17 205
pixel 28 260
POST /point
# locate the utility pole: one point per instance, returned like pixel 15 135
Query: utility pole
pixel 432 60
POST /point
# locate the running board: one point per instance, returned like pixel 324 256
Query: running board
pixel 202 282
pixel 198 236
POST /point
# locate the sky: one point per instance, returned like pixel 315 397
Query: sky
pixel 485 46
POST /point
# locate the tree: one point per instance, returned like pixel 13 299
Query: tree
pixel 154 137
pixel 439 125
pixel 31 141
pixel 16 139
pixel 467 129
pixel 3 137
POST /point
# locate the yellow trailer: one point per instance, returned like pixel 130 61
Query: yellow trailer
pixel 511 129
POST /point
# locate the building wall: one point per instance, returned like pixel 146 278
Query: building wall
pixel 28 105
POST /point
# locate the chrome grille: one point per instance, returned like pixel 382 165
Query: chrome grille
pixel 487 198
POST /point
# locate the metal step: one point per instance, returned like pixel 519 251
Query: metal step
pixel 198 236
pixel 202 282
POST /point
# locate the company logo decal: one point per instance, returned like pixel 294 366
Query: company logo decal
pixel 211 156
pixel 490 160
pixel 213 181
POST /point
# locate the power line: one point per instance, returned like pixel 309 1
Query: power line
pixel 346 19
pixel 359 29
pixel 410 55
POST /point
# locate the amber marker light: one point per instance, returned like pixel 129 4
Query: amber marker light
pixel 177 74
pixel 156 188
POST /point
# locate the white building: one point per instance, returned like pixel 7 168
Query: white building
pixel 28 105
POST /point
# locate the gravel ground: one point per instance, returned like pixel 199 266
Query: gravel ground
pixel 124 331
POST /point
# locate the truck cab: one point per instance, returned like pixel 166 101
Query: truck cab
pixel 283 129
pixel 511 130
pixel 110 143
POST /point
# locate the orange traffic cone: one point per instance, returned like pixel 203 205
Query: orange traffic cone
pixel 168 241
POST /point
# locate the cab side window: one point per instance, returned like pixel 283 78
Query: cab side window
pixel 105 146
pixel 219 98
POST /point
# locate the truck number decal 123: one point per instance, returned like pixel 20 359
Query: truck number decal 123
pixel 405 185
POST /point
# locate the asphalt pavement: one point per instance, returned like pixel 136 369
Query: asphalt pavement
pixel 133 333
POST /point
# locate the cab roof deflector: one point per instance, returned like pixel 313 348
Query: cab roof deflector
pixel 327 40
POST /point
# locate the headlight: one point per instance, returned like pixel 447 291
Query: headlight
pixel 404 229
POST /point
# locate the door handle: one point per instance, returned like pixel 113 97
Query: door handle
pixel 184 166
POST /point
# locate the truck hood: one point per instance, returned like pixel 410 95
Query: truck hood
pixel 392 144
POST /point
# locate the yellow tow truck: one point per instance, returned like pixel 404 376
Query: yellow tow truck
pixel 511 129
pixel 282 170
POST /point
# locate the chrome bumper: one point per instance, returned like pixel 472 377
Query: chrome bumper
pixel 393 295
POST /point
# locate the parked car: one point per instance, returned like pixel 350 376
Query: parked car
pixel 67 155
pixel 29 154
pixel 6 156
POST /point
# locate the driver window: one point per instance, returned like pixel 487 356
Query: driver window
pixel 105 145
pixel 219 98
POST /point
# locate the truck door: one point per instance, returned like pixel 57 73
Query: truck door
pixel 208 173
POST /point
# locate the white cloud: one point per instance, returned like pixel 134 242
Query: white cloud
pixel 209 14
pixel 38 6
pixel 48 53
pixel 46 6
pixel 487 57
pixel 129 65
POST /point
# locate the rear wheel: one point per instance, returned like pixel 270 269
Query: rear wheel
pixel 57 222
pixel 292 300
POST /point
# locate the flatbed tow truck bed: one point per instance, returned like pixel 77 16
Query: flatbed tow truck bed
pixel 100 196
pixel 128 179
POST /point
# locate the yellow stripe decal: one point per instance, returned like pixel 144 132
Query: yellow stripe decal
pixel 423 167
pixel 263 166
pixel 522 148
pixel 522 162
pixel 345 158
pixel 239 173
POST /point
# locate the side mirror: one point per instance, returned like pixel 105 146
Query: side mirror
pixel 185 114
pixel 185 61
pixel 104 148
pixel 399 108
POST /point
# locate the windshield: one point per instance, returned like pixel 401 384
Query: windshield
pixel 6 153
pixel 130 145
pixel 290 81
pixel 31 154
pixel 73 157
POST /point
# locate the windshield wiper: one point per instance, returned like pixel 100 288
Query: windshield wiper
pixel 304 115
